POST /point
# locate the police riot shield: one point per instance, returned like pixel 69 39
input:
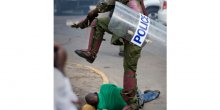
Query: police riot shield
pixel 136 27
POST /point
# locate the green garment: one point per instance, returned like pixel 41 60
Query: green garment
pixel 110 98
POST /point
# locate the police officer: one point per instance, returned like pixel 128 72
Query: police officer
pixel 131 52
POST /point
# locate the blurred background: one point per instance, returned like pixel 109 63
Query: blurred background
pixel 72 7
pixel 157 9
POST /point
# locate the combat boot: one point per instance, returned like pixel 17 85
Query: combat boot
pixel 95 41
pixel 129 92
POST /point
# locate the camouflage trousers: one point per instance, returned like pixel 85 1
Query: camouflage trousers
pixel 130 61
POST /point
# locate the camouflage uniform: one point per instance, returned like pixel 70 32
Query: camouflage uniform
pixel 131 51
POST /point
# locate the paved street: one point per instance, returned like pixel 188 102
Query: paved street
pixel 151 72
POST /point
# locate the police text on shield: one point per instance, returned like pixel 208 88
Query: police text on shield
pixel 141 31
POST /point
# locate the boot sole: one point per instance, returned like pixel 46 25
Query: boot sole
pixel 87 59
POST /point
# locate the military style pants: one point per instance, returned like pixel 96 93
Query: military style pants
pixel 131 56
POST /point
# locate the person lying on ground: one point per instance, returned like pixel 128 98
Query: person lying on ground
pixel 109 97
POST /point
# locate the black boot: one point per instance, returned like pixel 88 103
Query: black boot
pixel 86 54
pixel 95 41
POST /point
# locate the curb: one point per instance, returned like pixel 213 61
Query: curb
pixel 105 79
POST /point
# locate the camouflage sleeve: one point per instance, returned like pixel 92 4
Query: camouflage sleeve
pixel 105 5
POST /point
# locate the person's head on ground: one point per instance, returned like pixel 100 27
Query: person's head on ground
pixel 92 99
pixel 88 107
pixel 60 57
